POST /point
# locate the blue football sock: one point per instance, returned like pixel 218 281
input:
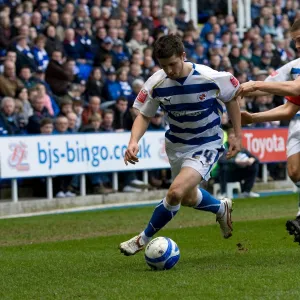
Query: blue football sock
pixel 163 213
pixel 206 202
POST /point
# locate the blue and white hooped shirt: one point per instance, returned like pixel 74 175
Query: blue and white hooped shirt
pixel 192 106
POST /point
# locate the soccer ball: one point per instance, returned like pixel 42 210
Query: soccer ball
pixel 162 253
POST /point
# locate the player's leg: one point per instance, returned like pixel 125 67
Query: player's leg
pixel 293 168
pixel 200 199
pixel 202 162
pixel 185 181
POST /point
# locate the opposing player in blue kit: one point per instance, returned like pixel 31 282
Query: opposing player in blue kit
pixel 190 96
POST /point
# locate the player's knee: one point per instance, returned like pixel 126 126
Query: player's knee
pixel 294 173
pixel 174 195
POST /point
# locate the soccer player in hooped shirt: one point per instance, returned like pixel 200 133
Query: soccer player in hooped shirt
pixel 189 94
pixel 284 82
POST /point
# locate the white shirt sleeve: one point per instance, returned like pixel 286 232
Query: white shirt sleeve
pixel 227 83
pixel 144 101
pixel 281 74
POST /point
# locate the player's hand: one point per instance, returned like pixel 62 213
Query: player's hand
pixel 234 148
pixel 130 154
pixel 246 88
pixel 246 118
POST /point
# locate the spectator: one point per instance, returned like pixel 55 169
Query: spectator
pixel 15 120
pixel 119 53
pixel 40 55
pixel 22 95
pixel 180 20
pixel 61 184
pixel 58 78
pixel 53 19
pixel 243 168
pixel 234 56
pixel 9 83
pixel 46 126
pixel 95 84
pixel 108 121
pixel 5 32
pixel 199 56
pixel 208 26
pixel 36 21
pixel 11 56
pixel 122 117
pixel 66 106
pixel 93 108
pixel 52 42
pixel 66 21
pixel 24 55
pixel 107 66
pixel 61 125
pixel 85 42
pixel 136 43
pixel 26 77
pixel 39 112
pixel 42 93
pixel 94 124
pixel 72 47
pixel 137 85
pixel 126 89
pixel 112 88
pixel 78 110
pixel 72 119
pixel 104 51
pixel 135 73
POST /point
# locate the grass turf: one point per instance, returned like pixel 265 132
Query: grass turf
pixel 75 256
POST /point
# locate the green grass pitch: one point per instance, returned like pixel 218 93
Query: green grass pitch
pixel 75 256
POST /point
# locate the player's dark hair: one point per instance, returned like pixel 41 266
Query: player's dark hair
pixel 295 26
pixel 167 46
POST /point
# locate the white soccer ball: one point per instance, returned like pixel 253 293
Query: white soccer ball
pixel 162 253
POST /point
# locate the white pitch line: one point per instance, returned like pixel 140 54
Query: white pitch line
pixel 82 209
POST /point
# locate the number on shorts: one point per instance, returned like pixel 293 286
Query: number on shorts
pixel 207 154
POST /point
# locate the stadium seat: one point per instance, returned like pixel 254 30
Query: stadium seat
pixel 216 189
pixel 230 188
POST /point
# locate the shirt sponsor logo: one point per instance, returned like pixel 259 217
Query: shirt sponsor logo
pixel 274 73
pixel 234 81
pixel 202 96
pixel 141 97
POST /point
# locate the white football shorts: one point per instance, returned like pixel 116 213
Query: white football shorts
pixel 201 160
pixel 293 142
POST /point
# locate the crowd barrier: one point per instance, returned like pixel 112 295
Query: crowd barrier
pixel 67 154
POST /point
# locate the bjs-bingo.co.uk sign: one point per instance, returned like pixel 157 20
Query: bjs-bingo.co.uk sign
pixel 269 144
pixel 49 155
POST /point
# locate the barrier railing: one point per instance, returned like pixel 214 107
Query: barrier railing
pixel 54 155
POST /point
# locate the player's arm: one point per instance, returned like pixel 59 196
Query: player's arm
pixel 139 128
pixel 234 113
pixel 256 94
pixel 279 113
pixel 273 84
pixel 284 88
pixel 228 92
pixel 146 107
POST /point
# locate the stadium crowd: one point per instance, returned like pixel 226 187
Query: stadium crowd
pixel 72 66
